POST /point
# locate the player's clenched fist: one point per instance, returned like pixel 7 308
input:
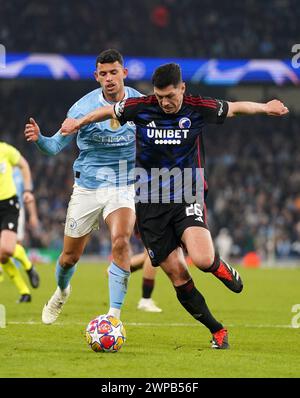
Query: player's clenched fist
pixel 276 108
pixel 69 126
pixel 32 130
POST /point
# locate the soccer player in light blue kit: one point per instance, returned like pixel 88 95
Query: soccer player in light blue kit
pixel 102 186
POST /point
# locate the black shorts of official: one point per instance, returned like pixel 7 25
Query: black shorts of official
pixel 9 214
pixel 161 226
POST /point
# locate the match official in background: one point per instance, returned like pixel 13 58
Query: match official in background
pixel 9 214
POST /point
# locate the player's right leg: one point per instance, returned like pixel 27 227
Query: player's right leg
pixel 199 245
pixel 82 217
pixel 120 223
pixel 65 268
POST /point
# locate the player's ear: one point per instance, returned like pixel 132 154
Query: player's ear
pixel 96 76
pixel 183 87
pixel 125 72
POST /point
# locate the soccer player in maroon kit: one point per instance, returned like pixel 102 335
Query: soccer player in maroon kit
pixel 171 214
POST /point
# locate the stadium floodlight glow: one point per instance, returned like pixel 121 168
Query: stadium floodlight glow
pixel 296 57
pixel 2 56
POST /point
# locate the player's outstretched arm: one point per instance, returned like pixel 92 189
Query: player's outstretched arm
pixel 71 126
pixel 48 145
pixel 271 108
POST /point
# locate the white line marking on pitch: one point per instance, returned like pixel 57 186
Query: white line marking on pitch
pixel 154 324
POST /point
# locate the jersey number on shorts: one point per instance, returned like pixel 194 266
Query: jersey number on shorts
pixel 195 210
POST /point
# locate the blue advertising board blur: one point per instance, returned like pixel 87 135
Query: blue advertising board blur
pixel 206 71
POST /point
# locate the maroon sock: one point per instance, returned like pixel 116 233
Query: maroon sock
pixel 148 286
pixel 194 303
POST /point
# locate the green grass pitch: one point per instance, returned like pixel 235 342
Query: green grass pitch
pixel 169 344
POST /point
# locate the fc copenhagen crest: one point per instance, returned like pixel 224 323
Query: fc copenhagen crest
pixel 185 123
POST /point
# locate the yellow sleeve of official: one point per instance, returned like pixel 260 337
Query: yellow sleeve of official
pixel 13 155
pixel 9 157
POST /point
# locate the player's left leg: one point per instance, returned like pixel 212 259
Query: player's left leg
pixel 15 276
pixel 191 299
pixel 8 241
pixel 20 253
pixel 156 224
pixel 149 272
pixel 65 268
pixel 200 248
pixel 120 223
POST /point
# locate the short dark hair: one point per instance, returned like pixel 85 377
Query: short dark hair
pixel 109 56
pixel 167 74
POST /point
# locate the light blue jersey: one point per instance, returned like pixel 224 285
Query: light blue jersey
pixel 19 182
pixel 102 145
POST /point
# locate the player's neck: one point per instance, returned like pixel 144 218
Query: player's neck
pixel 114 97
pixel 179 106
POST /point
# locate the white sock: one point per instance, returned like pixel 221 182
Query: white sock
pixel 116 312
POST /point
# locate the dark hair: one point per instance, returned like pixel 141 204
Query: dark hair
pixel 167 74
pixel 109 56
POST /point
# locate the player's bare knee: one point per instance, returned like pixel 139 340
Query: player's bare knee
pixel 3 259
pixel 4 255
pixel 204 261
pixel 120 245
pixel 177 275
pixel 68 260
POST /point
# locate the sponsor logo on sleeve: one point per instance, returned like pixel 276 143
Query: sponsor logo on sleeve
pixel 221 109
pixel 119 108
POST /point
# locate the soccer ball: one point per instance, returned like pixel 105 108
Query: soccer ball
pixel 105 334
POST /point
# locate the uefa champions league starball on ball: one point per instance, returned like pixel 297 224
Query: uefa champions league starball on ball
pixel 105 334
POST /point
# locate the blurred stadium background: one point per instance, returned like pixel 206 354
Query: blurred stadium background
pixel 233 50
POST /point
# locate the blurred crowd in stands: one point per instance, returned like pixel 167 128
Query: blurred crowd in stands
pixel 188 28
pixel 253 166
pixel 253 169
